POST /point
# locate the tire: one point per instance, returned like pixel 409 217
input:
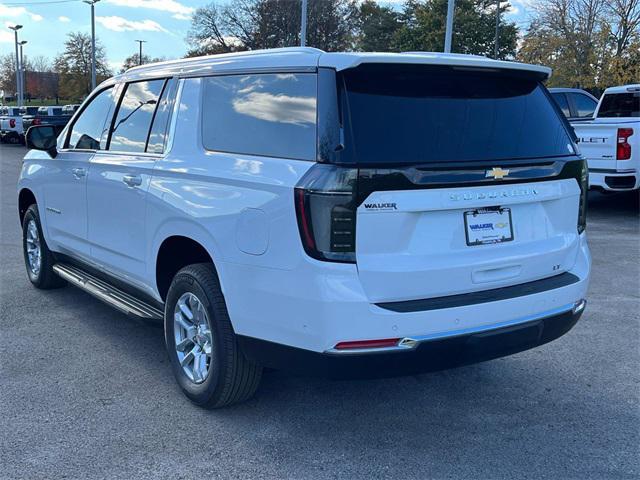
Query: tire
pixel 230 377
pixel 44 276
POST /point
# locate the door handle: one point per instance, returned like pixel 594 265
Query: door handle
pixel 132 180
pixel 79 172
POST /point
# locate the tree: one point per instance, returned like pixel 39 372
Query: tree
pixel 589 43
pixel 423 28
pixel 134 60
pixel 377 27
pixel 8 73
pixel 254 24
pixel 74 65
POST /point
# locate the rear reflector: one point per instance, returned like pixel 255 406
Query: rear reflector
pixel 385 342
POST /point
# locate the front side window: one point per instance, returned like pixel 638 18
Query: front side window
pixel 585 106
pixel 268 114
pixel 135 114
pixel 89 130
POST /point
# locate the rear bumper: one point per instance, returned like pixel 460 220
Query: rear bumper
pixel 321 304
pixel 613 180
pixel 426 355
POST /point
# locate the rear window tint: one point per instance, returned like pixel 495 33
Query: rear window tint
pixel 620 105
pixel 267 114
pixel 418 114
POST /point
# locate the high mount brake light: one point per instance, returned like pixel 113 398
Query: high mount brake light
pixel 623 147
pixel 326 210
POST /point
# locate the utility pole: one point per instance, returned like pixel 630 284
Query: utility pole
pixel 303 24
pixel 140 42
pixel 23 72
pixel 93 41
pixel 449 31
pixel 15 29
pixel 495 44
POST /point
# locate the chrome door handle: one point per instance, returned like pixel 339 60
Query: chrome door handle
pixel 79 172
pixel 132 180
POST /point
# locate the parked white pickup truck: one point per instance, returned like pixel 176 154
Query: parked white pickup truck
pixel 611 141
pixel 10 125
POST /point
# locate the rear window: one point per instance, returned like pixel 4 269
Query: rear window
pixel 266 114
pixel 418 114
pixel 620 105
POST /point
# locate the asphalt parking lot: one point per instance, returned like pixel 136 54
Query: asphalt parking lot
pixel 86 392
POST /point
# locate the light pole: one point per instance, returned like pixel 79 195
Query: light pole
pixel 15 29
pixel 93 41
pixel 140 42
pixel 23 71
pixel 449 31
pixel 495 44
pixel 303 24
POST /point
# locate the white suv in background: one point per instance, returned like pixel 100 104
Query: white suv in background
pixel 343 214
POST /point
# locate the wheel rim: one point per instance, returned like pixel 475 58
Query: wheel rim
pixel 34 251
pixel 193 337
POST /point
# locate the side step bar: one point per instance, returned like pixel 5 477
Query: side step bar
pixel 107 293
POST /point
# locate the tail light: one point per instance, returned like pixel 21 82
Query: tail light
pixel 36 121
pixel 623 150
pixel 583 181
pixel 325 200
pixel 12 123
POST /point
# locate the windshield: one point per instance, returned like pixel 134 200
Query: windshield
pixel 427 114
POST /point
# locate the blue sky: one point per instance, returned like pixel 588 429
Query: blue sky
pixel 162 23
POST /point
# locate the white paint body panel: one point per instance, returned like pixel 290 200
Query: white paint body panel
pixel 598 143
pixel 240 208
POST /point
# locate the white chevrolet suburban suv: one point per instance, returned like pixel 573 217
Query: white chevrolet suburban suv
pixel 341 214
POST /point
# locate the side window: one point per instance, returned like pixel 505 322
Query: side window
pixel 585 106
pixel 134 117
pixel 267 114
pixel 159 128
pixel 561 100
pixel 88 132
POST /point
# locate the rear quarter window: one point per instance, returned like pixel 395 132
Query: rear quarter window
pixel 265 114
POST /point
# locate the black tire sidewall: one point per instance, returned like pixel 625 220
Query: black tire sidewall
pixel 198 393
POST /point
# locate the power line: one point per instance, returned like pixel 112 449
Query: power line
pixel 32 3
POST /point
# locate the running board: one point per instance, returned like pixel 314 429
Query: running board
pixel 107 293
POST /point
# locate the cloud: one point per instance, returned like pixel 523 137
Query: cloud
pixel 181 16
pixel 14 12
pixel 119 24
pixel 64 19
pixel 171 6
pixel 277 108
pixel 6 37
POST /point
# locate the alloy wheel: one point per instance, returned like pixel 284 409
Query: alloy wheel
pixel 193 337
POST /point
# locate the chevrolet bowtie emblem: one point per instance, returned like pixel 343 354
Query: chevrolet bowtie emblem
pixel 497 173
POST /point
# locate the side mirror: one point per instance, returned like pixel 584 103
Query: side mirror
pixel 43 137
